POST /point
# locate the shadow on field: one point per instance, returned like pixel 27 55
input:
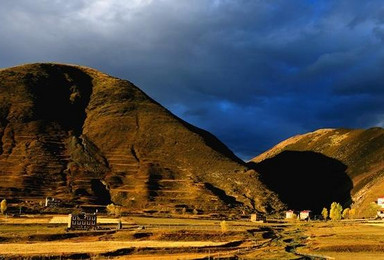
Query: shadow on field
pixel 306 180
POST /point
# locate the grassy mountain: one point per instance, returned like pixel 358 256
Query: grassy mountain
pixel 77 134
pixel 334 164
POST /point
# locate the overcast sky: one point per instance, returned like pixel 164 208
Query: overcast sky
pixel 252 72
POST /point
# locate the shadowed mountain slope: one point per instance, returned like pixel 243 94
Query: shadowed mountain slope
pixel 306 180
pixel 361 151
pixel 82 136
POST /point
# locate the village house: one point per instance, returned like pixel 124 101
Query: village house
pixel 52 202
pixel 380 202
pixel 290 214
pixel 380 211
pixel 380 214
pixel 257 217
pixel 305 215
pixel 82 221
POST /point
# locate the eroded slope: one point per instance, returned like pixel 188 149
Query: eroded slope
pixel 80 135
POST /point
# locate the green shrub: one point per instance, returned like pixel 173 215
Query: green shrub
pixel 113 209
pixel 335 212
pixel 324 213
pixel 223 226
pixel 3 206
pixel 346 212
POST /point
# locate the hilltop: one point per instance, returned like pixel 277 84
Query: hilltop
pixel 85 137
pixel 335 164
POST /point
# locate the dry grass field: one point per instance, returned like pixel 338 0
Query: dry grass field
pixel 43 236
pixel 345 240
pixel 57 248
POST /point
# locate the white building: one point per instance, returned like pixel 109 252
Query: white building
pixel 305 215
pixel 290 214
pixel 380 202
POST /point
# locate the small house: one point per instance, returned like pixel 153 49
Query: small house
pixel 82 221
pixel 257 217
pixel 52 202
pixel 305 215
pixel 380 202
pixel 380 214
pixel 290 214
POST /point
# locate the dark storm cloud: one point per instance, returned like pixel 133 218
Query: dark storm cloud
pixel 252 72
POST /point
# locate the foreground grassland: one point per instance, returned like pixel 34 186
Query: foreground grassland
pixel 44 237
pixel 40 237
pixel 345 240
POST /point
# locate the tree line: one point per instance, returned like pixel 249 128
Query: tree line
pixel 336 212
